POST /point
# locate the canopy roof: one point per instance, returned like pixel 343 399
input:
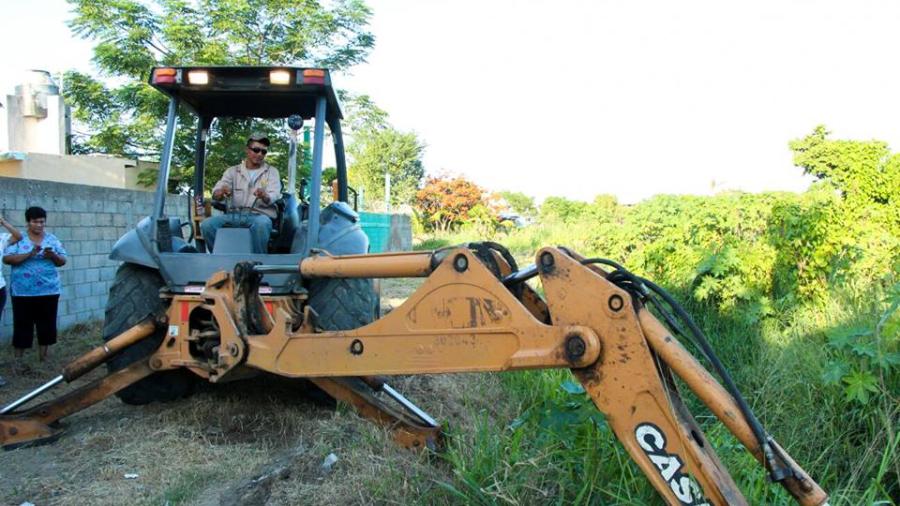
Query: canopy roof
pixel 248 92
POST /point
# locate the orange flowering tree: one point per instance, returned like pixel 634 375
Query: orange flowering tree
pixel 447 202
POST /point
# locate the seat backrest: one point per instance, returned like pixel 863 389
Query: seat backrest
pixel 233 240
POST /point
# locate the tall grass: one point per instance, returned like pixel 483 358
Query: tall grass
pixel 558 449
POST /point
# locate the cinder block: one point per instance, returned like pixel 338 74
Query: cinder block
pixel 81 262
pixel 107 273
pixel 66 321
pixel 93 302
pixel 98 288
pixel 79 205
pixel 81 233
pixel 83 316
pixel 78 276
pixel 98 260
pixel 61 203
pixel 72 247
pixel 83 290
pixel 111 206
pixel 110 233
pixel 96 206
pixel 87 247
pixel 76 305
pixel 118 220
pixel 87 219
pixel 61 233
pixel 92 275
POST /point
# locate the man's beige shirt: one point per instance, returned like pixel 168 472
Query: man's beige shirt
pixel 243 182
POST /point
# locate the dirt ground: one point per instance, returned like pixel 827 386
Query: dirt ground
pixel 254 442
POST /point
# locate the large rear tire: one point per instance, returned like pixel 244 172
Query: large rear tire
pixel 343 303
pixel 134 295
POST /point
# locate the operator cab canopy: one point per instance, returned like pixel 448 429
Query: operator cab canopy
pixel 248 92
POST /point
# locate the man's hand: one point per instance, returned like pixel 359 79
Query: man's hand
pixel 224 191
pixel 261 195
pixel 34 251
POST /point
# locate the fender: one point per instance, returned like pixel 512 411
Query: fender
pixel 134 247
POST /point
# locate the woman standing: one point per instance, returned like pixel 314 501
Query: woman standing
pixel 34 284
pixel 12 236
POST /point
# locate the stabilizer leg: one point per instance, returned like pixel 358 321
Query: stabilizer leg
pixel 39 423
pixel 407 431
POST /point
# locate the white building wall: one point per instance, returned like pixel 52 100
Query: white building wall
pixel 4 127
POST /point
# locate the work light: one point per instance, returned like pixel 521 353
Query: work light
pixel 279 77
pixel 199 77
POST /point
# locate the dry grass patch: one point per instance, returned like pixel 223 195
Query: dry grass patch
pixel 195 450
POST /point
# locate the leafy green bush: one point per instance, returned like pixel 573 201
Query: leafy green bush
pixel 865 359
pixel 799 294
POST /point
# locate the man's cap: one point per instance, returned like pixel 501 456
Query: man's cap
pixel 258 137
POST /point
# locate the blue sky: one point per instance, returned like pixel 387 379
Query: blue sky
pixel 580 98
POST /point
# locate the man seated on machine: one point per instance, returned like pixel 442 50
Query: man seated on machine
pixel 251 189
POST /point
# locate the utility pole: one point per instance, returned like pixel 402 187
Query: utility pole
pixel 387 191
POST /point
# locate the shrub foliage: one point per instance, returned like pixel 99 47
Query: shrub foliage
pixel 800 294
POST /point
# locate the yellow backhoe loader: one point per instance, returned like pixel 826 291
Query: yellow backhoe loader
pixel 307 309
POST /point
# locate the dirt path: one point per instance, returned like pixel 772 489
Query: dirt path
pixel 204 449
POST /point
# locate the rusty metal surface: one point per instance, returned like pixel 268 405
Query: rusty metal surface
pixel 534 303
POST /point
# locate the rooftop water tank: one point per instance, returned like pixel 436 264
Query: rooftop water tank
pixel 36 86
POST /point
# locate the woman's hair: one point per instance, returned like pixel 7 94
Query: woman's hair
pixel 34 213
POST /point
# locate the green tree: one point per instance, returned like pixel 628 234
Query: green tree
pixel 848 237
pixel 562 209
pixel 604 208
pixel 859 169
pixel 362 114
pixel 375 147
pixel 388 150
pixel 133 35
pixel 521 204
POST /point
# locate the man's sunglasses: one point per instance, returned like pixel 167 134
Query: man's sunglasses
pixel 259 150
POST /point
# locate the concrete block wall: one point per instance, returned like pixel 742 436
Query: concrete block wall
pixel 88 220
pixel 401 233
